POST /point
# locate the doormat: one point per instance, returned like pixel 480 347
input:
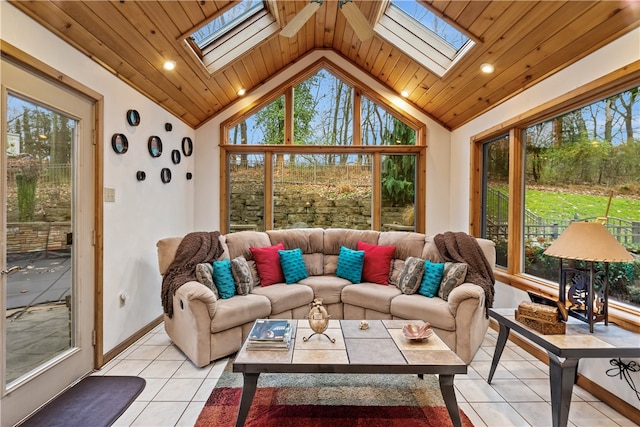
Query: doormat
pixel 96 401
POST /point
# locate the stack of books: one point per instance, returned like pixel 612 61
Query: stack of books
pixel 269 334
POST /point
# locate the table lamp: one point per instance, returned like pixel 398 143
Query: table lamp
pixel 590 242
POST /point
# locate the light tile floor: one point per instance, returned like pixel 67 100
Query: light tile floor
pixel 519 395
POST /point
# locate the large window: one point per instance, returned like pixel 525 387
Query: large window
pixel 266 126
pixel 581 165
pixel 323 111
pixel 246 192
pixel 323 154
pixel 495 196
pixel 315 191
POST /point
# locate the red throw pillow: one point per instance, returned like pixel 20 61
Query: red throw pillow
pixel 268 264
pixel 377 262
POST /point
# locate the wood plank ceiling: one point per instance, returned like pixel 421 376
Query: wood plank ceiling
pixel 526 41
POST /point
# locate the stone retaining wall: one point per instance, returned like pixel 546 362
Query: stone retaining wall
pixel 37 236
pixel 294 210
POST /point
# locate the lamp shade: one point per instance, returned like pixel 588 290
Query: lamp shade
pixel 588 241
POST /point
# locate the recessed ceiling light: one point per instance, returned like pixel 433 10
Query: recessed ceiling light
pixel 241 91
pixel 404 93
pixel 169 65
pixel 487 68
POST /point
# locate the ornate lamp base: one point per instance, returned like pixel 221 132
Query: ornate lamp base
pixel 318 320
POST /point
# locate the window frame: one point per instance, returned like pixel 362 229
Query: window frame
pixel 235 41
pixel 513 275
pixel 419 42
pixel 211 38
pixel 269 151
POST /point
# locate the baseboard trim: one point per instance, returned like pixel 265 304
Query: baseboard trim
pixel 596 390
pixel 129 341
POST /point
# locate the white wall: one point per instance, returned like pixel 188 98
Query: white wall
pixel 207 215
pixel 143 212
pixel 616 55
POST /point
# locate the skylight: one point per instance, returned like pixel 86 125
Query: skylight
pixel 421 34
pixel 224 23
pixel 429 20
pixel 239 29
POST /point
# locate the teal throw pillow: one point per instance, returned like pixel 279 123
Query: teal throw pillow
pixel 350 264
pixel 292 265
pixel 223 278
pixel 431 279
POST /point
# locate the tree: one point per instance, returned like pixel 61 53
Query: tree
pixel 399 171
pixel 271 121
pixel 625 108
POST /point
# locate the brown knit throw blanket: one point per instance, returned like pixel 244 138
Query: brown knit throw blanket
pixel 195 248
pixel 462 247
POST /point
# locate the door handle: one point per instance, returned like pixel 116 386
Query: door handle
pixel 9 270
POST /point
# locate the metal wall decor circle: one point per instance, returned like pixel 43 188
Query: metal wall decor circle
pixel 154 145
pixel 141 176
pixel 119 143
pixel 187 146
pixel 175 157
pixel 168 127
pixel 165 175
pixel 133 117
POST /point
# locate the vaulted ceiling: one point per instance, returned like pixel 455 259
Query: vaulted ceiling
pixel 526 41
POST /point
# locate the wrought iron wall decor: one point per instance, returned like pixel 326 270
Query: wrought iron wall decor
pixel 154 146
pixel 165 175
pixel 133 117
pixel 119 143
pixel 187 146
pixel 175 157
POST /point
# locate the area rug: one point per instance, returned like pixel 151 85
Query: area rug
pixel 302 400
pixel 96 401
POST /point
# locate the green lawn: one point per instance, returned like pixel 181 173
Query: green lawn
pixel 561 205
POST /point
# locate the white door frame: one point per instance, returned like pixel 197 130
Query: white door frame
pixel 23 398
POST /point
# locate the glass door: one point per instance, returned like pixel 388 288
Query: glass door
pixel 47 253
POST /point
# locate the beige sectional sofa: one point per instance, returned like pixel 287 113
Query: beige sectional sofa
pixel 206 328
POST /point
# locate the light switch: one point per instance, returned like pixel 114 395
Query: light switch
pixel 109 194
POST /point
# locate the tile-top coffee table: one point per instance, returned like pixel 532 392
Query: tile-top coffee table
pixel 381 349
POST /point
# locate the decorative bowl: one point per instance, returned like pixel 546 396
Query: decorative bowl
pixel 417 332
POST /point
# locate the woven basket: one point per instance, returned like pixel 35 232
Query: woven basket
pixel 543 327
pixel 539 312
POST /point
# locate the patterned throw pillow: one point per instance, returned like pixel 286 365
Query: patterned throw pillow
pixel 204 274
pixel 292 265
pixel 431 279
pixel 411 275
pixel 242 275
pixel 223 278
pixel 453 276
pixel 350 264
